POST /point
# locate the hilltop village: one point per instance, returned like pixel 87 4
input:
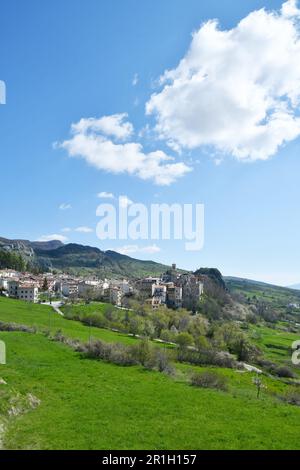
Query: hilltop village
pixel 172 289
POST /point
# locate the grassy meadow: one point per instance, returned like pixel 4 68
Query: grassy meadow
pixel 89 404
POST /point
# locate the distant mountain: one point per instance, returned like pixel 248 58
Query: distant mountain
pixel 27 245
pixel 80 259
pixel 46 246
pixel 278 296
pixel 295 286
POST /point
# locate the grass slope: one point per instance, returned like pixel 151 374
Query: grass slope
pixel 88 404
pixel 92 405
pixel 276 295
pixel 43 317
pixel 275 344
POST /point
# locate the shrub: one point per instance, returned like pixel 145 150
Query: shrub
pixel 95 320
pixel 58 336
pixel 167 335
pixel 252 318
pixel 265 363
pixel 184 340
pixel 207 357
pixel 161 361
pixel 293 396
pixel 224 359
pixel 142 351
pixel 274 369
pixel 116 353
pixel 209 379
pixel 284 371
pixel 15 327
pixel 201 343
pixel 122 355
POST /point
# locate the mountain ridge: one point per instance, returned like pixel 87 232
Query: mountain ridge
pixel 80 259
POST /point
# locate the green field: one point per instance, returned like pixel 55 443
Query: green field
pixel 44 318
pixel 88 404
pixel 276 296
pixel 275 343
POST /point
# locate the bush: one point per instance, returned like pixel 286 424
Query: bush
pixel 161 361
pixel 95 320
pixel 284 371
pixel 274 369
pixel 184 340
pixel 208 357
pixel 293 396
pixel 209 379
pixel 15 327
pixel 122 355
pixel 224 359
pixel 167 335
pixel 58 336
pixel 252 318
pixel 142 351
pixel 116 353
pixel 268 365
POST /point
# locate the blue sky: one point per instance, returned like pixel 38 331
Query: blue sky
pixel 63 61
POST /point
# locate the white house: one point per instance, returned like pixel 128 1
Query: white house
pixel 4 283
pixel 160 291
pixel 69 289
pixel 13 285
pixel 28 292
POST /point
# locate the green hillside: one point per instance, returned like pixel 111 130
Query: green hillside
pixel 73 258
pixel 64 401
pixel 80 259
pixel 277 295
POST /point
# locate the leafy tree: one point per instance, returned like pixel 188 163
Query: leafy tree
pixel 135 325
pixel 11 260
pixel 167 335
pixel 210 308
pixel 109 312
pixel 45 285
pixel 201 343
pixel 143 351
pixel 160 321
pixel 149 329
pixel 198 326
pixel 184 340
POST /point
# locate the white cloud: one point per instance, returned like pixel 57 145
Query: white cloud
pixel 124 201
pixel 289 9
pixel 54 236
pixel 84 229
pixel 131 249
pixel 64 206
pixel 115 125
pixel 105 195
pixel 66 229
pixel 237 90
pixel 135 79
pixel 90 142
